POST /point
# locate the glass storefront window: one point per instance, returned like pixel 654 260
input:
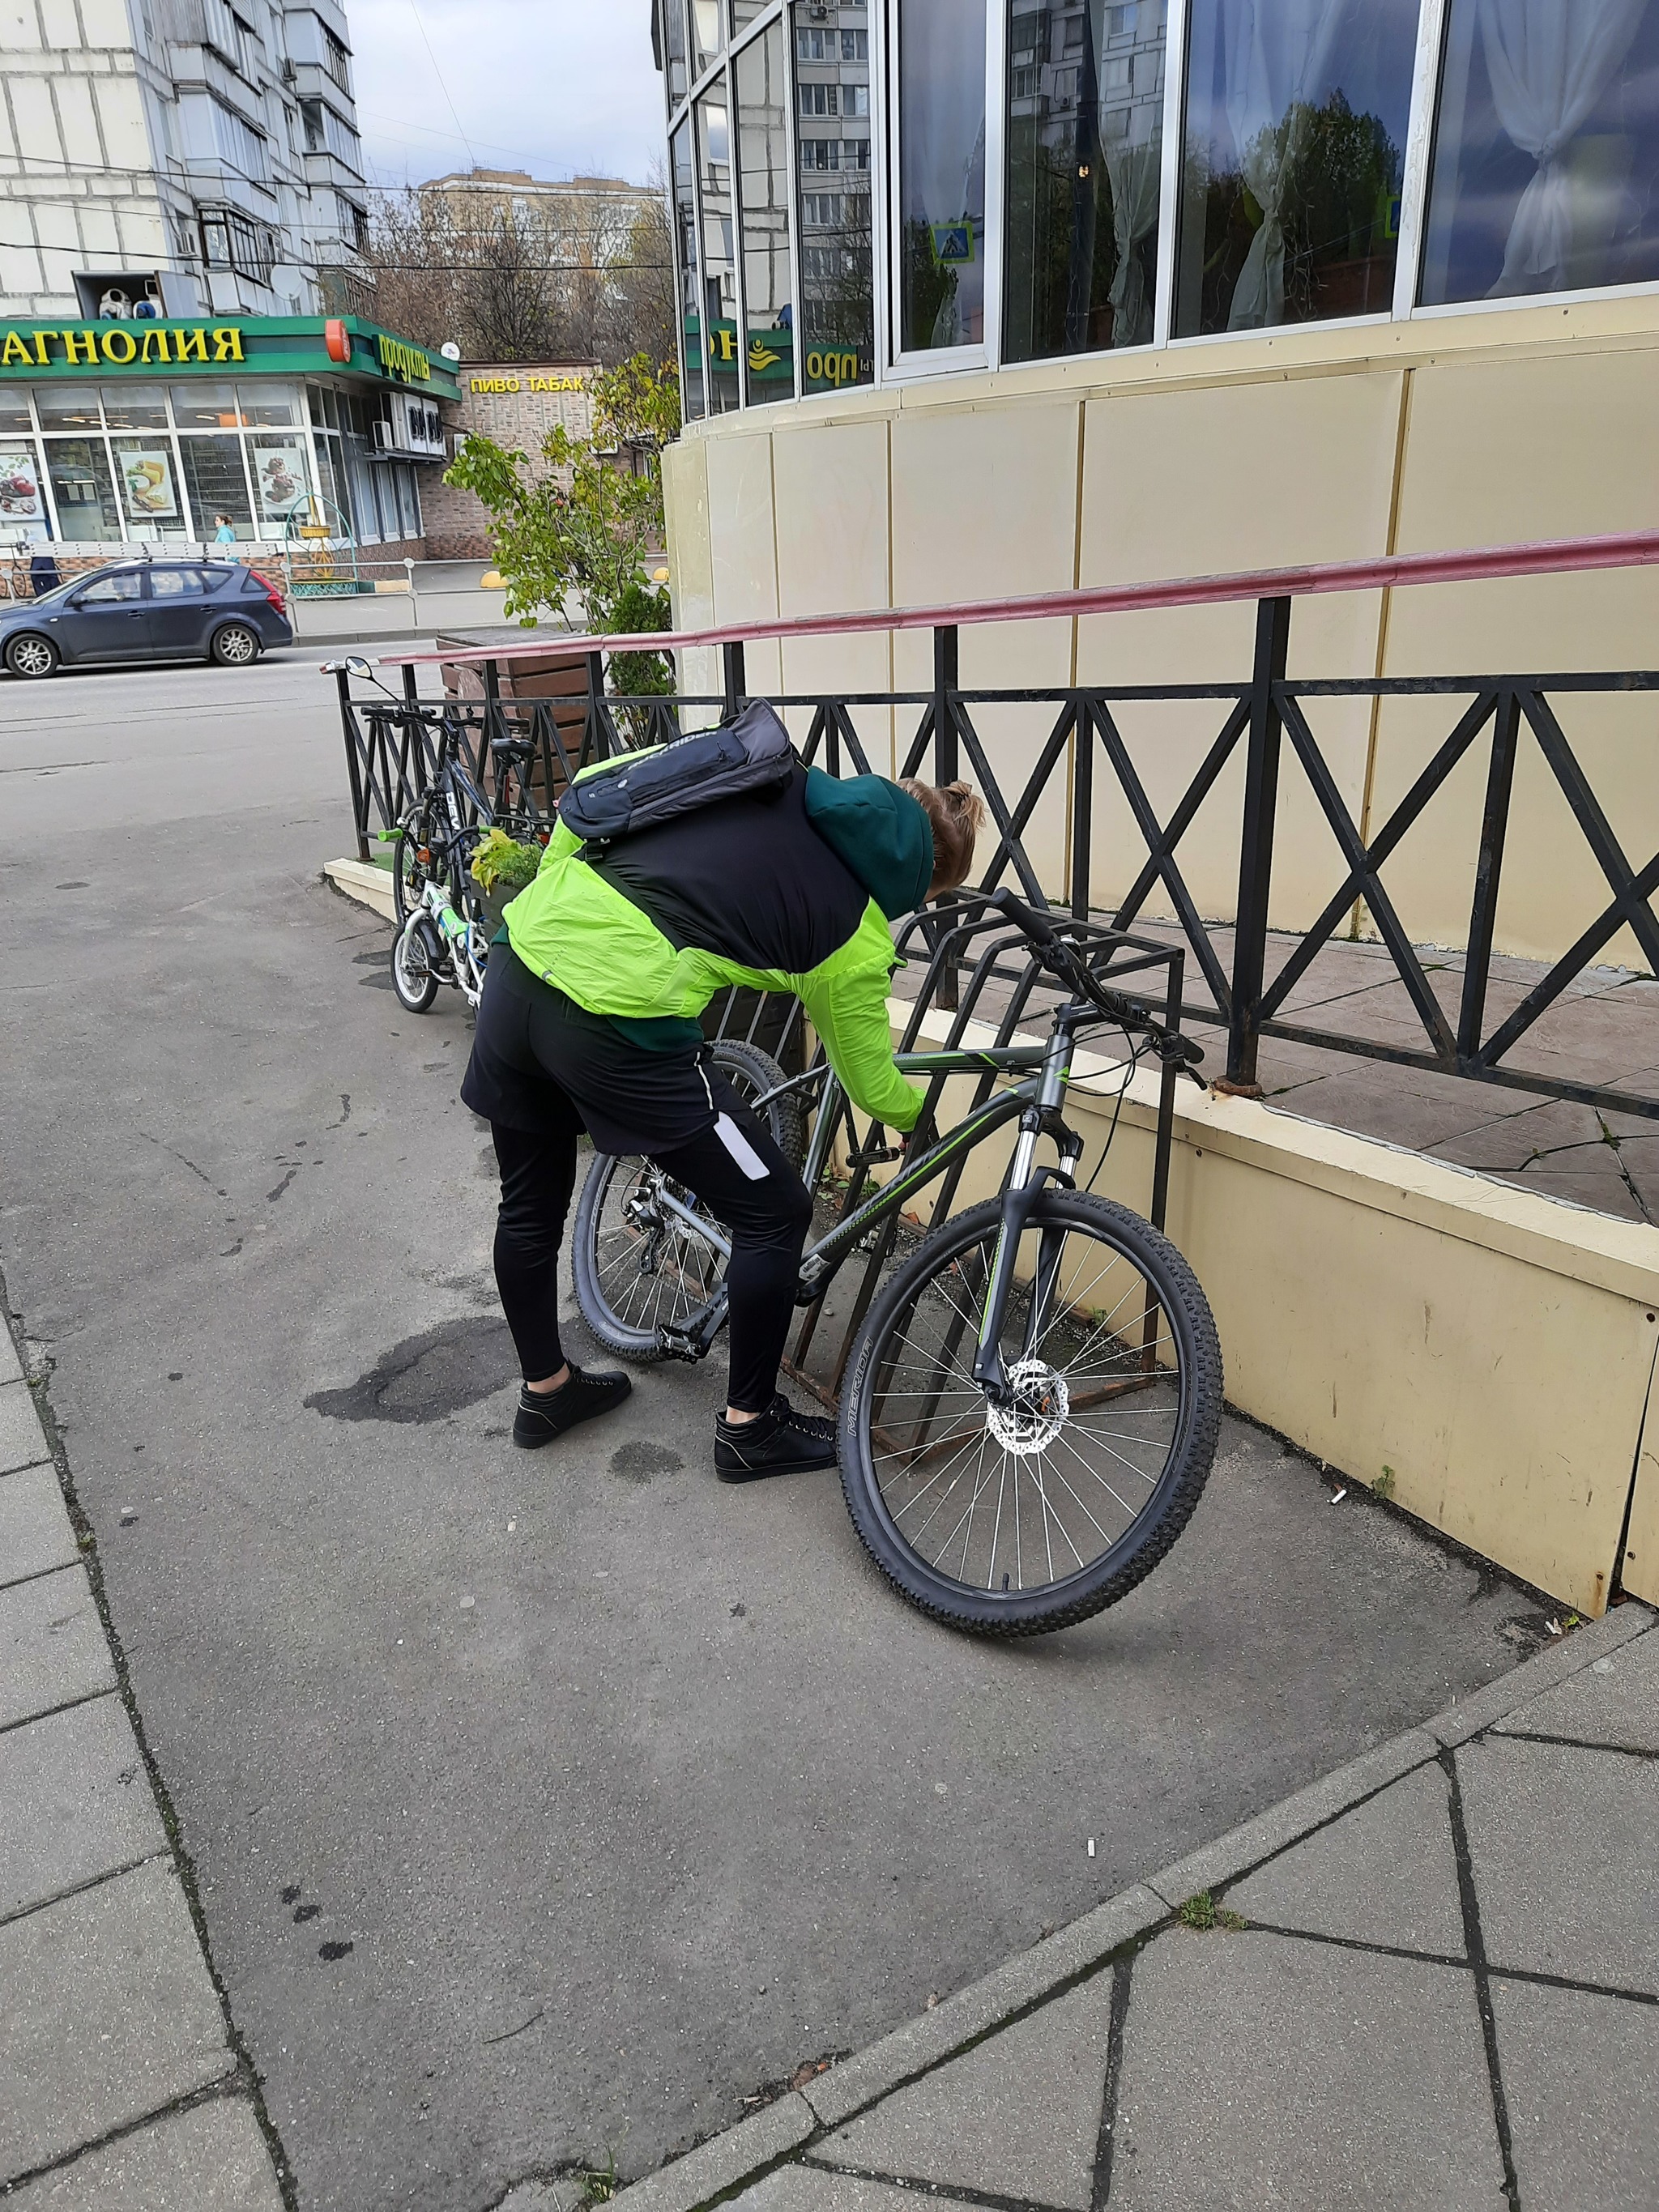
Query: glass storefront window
pixel 705 32
pixel 68 406
pixel 1086 132
pixel 1546 173
pixel 409 505
pixel 1296 113
pixel 205 406
pixel 270 406
pixel 83 489
pixel 744 13
pixel 135 407
pixel 149 474
pixel 836 316
pixel 763 93
pixel 15 412
pixel 691 275
pixel 941 159
pixel 216 483
pixel 720 277
pixel 673 51
pixel 337 498
pixel 280 468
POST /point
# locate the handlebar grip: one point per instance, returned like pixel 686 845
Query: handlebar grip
pixel 1036 926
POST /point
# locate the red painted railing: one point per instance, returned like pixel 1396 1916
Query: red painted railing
pixel 1631 548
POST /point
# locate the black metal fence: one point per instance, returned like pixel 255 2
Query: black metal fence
pixel 392 743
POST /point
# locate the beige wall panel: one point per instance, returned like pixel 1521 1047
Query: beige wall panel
pixel 1639 1566
pixel 743 566
pixel 1497 453
pixel 690 569
pixel 830 486
pixel 985 504
pixel 1193 482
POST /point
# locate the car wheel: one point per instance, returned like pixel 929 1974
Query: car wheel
pixel 234 646
pixel 32 656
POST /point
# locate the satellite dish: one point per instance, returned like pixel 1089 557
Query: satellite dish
pixel 450 350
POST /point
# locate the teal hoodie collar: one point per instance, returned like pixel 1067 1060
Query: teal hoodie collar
pixel 879 834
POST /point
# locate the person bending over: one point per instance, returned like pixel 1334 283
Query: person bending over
pixel 589 1019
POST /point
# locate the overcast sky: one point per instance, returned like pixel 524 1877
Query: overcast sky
pixel 556 87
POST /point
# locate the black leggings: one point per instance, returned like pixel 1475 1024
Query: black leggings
pixel 768 1218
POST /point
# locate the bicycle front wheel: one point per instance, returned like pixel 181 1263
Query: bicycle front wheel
pixel 1019 1518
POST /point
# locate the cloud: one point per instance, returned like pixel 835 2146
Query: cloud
pixel 556 87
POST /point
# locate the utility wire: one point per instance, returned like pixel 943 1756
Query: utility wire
pixel 443 86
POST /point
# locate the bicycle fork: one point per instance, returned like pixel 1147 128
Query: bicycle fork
pixel 1025 1186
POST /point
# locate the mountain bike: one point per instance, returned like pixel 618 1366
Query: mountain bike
pixel 1031 1406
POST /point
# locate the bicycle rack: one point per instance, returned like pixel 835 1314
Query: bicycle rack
pixel 957 980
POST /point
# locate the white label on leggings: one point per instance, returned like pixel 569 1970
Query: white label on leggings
pixel 741 1149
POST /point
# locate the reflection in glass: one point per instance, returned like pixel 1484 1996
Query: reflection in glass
pixel 705 32
pixel 744 13
pixel 14 410
pixel 673 51
pixel 1085 127
pixel 692 403
pixel 941 125
pixel 1546 149
pixel 83 489
pixel 135 407
pixel 272 406
pixel 205 406
pixel 762 92
pixel 837 317
pixel 1297 112
pixel 68 406
pixel 719 275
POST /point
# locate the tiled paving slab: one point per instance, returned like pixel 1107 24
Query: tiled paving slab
pixel 22 1441
pixel 52 1648
pixel 1018 2115
pixel 211 2158
pixel 109 2016
pixel 75 1803
pixel 1615 1701
pixel 1565 1865
pixel 808 2189
pixel 1259 2071
pixel 1578 2079
pixel 1385 1873
pixel 35 1531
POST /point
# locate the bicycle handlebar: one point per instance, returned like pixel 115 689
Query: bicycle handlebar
pixel 1061 960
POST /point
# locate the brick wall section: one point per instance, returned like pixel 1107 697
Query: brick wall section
pixel 516 402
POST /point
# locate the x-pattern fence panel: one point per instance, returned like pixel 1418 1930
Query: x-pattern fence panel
pixel 1268 717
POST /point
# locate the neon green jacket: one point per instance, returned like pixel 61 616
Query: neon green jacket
pixel 804 882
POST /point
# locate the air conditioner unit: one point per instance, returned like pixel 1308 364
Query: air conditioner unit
pixel 384 435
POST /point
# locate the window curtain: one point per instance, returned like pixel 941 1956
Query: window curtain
pixel 1134 171
pixel 1548 63
pixel 1275 52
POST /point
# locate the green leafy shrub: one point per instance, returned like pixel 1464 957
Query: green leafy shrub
pixel 501 864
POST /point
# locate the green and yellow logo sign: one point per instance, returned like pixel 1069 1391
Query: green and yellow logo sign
pixel 118 345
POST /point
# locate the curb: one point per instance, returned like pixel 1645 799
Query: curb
pixel 728 2162
pixel 362 882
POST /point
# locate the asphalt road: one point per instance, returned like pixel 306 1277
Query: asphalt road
pixel 543 1807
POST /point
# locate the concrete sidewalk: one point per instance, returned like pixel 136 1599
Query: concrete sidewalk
pixel 120 2088
pixel 1432 1978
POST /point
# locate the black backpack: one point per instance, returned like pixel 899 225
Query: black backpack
pixel 750 754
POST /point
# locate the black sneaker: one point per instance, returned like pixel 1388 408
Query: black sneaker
pixel 544 1414
pixel 780 1441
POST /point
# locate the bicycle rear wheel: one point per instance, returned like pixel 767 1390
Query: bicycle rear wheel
pixel 638 1266
pixel 1020 1518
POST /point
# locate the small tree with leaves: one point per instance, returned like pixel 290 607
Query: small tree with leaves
pixel 580 525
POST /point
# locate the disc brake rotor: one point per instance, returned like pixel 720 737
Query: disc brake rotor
pixel 1032 1415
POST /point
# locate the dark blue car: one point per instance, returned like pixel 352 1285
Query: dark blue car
pixel 147 611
